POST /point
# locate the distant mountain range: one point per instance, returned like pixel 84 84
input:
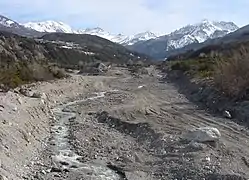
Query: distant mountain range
pixel 163 46
pixel 147 42
pixel 53 26
pixel 158 47
pixel 35 29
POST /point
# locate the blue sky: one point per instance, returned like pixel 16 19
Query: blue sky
pixel 127 16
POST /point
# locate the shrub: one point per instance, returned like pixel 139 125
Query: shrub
pixel 20 73
pixel 232 76
pixel 196 67
pixel 10 78
pixel 181 65
pixel 57 72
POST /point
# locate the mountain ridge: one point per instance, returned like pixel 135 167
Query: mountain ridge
pixel 158 47
pixel 54 26
pixel 8 25
pixel 191 34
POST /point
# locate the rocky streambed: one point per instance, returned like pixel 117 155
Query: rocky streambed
pixel 139 132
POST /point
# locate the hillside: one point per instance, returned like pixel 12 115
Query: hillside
pixel 223 66
pixel 25 60
pixel 227 47
pixel 98 48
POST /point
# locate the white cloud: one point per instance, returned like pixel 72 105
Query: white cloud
pixel 126 16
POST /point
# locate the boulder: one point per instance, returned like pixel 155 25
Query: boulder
pixel 102 67
pixel 39 95
pixel 26 92
pixel 203 134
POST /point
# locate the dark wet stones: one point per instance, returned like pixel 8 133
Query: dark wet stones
pixel 74 167
pixel 64 163
pixel 55 169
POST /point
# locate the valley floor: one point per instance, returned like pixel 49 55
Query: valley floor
pixel 118 127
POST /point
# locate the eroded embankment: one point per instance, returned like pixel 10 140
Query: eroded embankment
pixel 209 98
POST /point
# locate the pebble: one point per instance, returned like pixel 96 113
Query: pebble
pixel 227 114
pixel 74 166
pixel 14 109
pixel 44 172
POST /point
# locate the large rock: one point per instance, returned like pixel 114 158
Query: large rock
pixel 39 95
pixel 26 92
pixel 203 134
pixel 102 67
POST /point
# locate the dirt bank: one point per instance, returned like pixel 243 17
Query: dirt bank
pixel 209 98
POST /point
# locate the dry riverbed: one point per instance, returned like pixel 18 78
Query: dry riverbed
pixel 116 127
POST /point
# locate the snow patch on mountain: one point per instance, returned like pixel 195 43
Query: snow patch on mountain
pixel 184 41
pixel 6 21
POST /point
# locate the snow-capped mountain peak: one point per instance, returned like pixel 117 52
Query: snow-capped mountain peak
pixel 144 36
pixel 53 26
pixel 200 32
pixel 7 22
pixel 165 45
pixel 195 33
pixel 95 31
pixel 49 26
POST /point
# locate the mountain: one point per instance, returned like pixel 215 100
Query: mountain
pixel 226 45
pixel 162 46
pixel 102 33
pixel 53 26
pixel 49 26
pixel 120 39
pixel 9 25
pixel 145 36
